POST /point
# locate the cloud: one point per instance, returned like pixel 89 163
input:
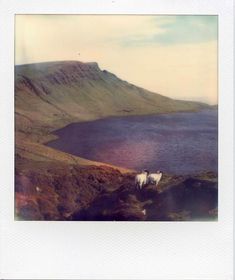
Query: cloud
pixel 172 55
pixel 183 29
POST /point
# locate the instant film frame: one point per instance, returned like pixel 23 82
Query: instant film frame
pixel 198 250
pixel 114 122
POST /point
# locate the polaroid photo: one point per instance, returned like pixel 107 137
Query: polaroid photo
pixel 117 140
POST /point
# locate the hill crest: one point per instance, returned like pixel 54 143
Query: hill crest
pixel 53 94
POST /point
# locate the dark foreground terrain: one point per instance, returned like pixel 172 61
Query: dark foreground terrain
pixel 101 193
pixel 51 184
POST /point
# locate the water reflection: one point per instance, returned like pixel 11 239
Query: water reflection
pixel 180 143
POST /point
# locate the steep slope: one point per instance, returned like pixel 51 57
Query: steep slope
pixel 49 191
pixel 53 185
pixel 51 95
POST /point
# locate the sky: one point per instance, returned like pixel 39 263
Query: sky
pixel 175 56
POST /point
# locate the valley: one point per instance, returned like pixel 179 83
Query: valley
pixel 52 184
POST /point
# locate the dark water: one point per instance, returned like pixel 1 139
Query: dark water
pixel 179 143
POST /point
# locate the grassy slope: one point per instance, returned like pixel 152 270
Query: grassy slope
pixel 51 95
pixel 64 191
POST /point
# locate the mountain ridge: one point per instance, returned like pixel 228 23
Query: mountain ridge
pixel 54 185
pixel 53 94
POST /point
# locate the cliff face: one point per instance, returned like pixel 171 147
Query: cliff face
pixel 52 185
pixel 50 95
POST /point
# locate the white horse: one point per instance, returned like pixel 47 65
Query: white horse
pixel 141 179
pixel 154 178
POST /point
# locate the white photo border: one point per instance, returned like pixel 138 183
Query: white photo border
pixel 117 250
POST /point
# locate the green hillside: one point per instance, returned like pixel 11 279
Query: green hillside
pixel 53 185
pixel 51 95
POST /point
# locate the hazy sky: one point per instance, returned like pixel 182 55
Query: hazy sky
pixel 175 56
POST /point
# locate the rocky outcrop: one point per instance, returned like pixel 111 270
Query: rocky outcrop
pixel 70 192
pixel 52 185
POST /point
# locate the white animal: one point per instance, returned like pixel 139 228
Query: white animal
pixel 154 178
pixel 38 189
pixel 141 179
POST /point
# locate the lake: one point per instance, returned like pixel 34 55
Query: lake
pixel 178 143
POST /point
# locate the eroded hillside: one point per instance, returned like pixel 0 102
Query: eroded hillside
pixel 53 185
pixel 51 95
pixel 56 191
